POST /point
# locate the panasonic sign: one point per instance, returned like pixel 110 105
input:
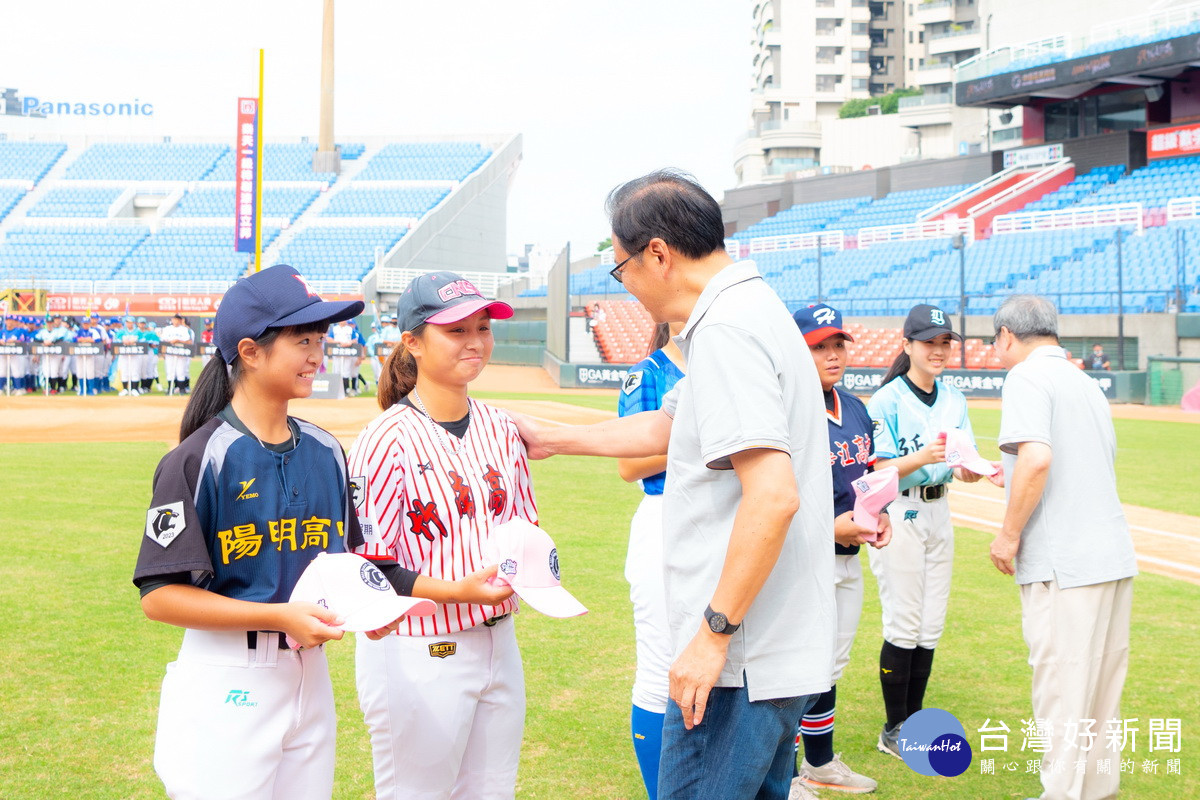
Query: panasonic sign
pixel 37 107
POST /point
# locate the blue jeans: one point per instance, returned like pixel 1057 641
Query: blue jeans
pixel 741 750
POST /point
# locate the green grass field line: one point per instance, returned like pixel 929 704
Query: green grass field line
pixel 79 684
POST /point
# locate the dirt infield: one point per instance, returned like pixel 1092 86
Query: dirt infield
pixel 1166 543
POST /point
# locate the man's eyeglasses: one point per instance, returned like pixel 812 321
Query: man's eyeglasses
pixel 616 271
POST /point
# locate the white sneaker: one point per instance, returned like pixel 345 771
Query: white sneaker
pixel 835 775
pixel 800 792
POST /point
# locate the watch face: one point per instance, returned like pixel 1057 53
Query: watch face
pixel 717 622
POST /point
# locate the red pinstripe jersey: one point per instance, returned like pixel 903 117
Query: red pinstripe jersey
pixel 429 499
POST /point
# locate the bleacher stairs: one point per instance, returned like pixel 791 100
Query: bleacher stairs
pixel 19 214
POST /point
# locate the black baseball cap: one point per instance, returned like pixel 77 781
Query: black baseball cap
pixel 276 297
pixel 442 298
pixel 927 322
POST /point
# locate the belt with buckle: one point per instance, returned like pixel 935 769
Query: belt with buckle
pixel 252 640
pixel 926 493
pixel 491 622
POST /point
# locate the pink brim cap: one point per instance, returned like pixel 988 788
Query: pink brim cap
pixel 873 492
pixel 553 601
pixel 961 453
pixel 385 613
pixel 497 309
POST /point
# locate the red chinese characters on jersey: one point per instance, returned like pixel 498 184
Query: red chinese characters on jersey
pixel 863 449
pixel 462 496
pixel 497 494
pixel 424 519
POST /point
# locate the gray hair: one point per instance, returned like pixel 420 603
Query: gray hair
pixel 1027 316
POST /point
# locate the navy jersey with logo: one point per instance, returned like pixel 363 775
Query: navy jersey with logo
pixel 243 520
pixel 851 452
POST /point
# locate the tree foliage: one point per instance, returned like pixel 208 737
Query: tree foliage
pixel 888 103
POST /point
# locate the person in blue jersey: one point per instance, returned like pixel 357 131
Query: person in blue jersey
pixel 13 365
pixel 643 389
pixel 912 411
pixel 851 455
pixel 240 508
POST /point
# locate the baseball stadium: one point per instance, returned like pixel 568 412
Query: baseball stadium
pixel 949 153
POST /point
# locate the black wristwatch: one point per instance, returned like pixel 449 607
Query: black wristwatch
pixel 719 623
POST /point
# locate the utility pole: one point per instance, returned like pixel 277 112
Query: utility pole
pixel 327 158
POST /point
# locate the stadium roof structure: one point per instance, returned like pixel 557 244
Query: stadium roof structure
pixel 1144 65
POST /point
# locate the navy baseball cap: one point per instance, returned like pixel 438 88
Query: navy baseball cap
pixel 818 322
pixel 276 297
pixel 442 298
pixel 927 322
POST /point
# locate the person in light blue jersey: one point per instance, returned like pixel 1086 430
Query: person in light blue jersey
pixel 911 412
pixel 643 389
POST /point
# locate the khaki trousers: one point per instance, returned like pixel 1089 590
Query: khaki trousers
pixel 1079 650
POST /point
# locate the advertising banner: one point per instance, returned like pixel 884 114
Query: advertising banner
pixel 245 169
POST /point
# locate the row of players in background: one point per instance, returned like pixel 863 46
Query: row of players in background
pixel 911 557
pixel 94 374
pixel 348 367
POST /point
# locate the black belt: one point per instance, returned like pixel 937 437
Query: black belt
pixel 927 493
pixel 252 640
pixel 494 620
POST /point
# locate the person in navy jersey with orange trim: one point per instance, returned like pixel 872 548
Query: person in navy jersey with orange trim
pixel 851 455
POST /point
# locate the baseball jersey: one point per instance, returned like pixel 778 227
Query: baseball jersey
pixel 126 336
pixel 645 384
pixel 149 337
pixel 851 452
pixel 429 500
pixel 176 333
pixel 903 424
pixel 243 519
pixel 343 334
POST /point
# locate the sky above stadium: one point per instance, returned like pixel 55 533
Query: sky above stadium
pixel 601 92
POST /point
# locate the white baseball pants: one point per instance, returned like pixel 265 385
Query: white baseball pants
pixel 444 724
pixel 848 600
pixel 647 591
pixel 236 722
pixel 913 572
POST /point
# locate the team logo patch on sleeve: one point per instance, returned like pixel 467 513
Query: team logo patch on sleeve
pixel 632 381
pixel 165 523
pixel 358 490
pixel 877 427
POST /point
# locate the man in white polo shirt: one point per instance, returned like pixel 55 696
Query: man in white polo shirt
pixel 1065 538
pixel 747 506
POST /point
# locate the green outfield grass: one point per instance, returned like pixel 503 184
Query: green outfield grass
pixel 79 683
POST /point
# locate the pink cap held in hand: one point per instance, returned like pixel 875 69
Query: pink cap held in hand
pixel 873 492
pixel 528 563
pixel 961 452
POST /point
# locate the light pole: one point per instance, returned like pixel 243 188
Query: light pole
pixel 1120 305
pixel 959 243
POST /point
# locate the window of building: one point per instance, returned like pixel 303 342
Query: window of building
pixel 860 84
pixel 828 83
pixel 825 3
pixel 827 27
pixel 921 36
pixel 1088 116
pixel 827 55
pixel 859 28
pixel 858 56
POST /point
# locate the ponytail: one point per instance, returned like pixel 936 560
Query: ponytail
pixel 899 367
pixel 399 374
pixel 660 337
pixel 214 390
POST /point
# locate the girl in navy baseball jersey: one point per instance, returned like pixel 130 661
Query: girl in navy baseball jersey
pixel 851 455
pixel 241 507
pixel 643 390
pixel 444 698
pixel 911 412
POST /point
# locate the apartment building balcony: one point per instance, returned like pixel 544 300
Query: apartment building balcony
pixel 954 41
pixel 933 12
pixel 929 74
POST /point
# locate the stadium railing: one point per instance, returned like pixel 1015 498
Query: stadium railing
pixel 1121 214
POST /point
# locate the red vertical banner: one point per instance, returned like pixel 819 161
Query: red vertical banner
pixel 245 172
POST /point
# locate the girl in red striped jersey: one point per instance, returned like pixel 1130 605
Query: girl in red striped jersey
pixel 444 698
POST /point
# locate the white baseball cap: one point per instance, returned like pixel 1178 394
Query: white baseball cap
pixel 961 452
pixel 357 591
pixel 872 492
pixel 528 563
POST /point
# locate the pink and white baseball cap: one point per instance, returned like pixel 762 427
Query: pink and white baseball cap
pixel 528 563
pixel 872 492
pixel 357 591
pixel 961 452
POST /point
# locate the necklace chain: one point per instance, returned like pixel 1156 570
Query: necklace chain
pixel 291 438
pixel 442 432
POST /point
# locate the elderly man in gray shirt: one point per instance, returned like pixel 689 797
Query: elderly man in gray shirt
pixel 1065 538
pixel 747 508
